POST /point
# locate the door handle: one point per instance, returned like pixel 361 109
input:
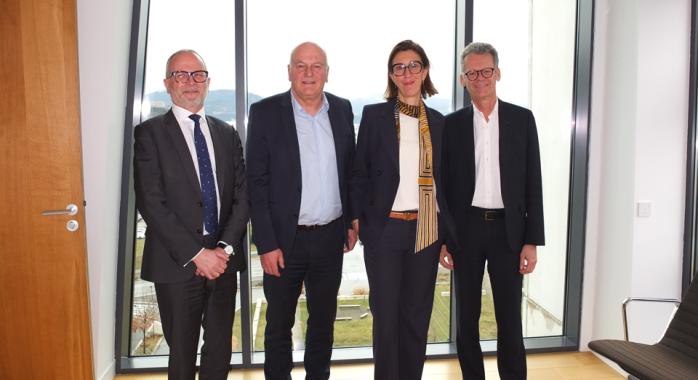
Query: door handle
pixel 71 209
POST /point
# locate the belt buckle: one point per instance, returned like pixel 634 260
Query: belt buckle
pixel 490 215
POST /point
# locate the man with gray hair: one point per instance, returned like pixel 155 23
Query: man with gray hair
pixel 492 184
pixel 300 150
pixel 189 178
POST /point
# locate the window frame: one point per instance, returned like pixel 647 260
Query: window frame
pixel 248 358
pixel 690 253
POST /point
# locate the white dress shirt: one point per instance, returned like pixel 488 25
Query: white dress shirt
pixel 407 196
pixel 187 126
pixel 488 185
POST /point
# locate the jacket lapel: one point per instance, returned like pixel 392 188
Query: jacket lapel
pixel 469 146
pixel 289 127
pixel 180 146
pixel 337 136
pixel 390 131
pixel 219 150
pixel 505 125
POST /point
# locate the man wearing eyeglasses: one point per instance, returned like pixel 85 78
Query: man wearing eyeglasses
pixel 190 187
pixel 300 149
pixel 492 184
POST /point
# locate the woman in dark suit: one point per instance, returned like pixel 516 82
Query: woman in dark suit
pixel 394 198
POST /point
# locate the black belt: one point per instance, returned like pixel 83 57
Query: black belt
pixel 488 214
pixel 309 227
pixel 312 227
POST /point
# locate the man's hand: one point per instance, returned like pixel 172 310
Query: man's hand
pixel 272 261
pixel 211 263
pixel 355 226
pixel 445 258
pixel 528 259
pixel 351 240
pixel 220 253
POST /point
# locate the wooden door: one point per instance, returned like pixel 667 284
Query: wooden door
pixel 44 308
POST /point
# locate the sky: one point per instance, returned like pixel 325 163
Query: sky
pixel 357 41
pixel 357 36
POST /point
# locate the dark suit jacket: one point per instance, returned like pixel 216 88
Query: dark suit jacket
pixel 377 169
pixel 519 165
pixel 274 168
pixel 168 196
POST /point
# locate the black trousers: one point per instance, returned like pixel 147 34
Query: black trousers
pixel 401 298
pixel 187 306
pixel 485 240
pixel 316 261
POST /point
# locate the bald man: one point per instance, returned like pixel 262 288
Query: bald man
pixel 190 187
pixel 300 149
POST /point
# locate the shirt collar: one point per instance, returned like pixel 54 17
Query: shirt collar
pixel 182 114
pixel 298 110
pixel 495 110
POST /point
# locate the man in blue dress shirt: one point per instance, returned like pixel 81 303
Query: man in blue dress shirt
pixel 300 150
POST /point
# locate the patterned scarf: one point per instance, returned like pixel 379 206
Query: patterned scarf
pixel 427 224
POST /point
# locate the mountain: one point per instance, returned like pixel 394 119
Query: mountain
pixel 221 104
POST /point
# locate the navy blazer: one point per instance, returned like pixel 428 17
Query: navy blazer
pixel 274 168
pixel 520 172
pixel 168 195
pixel 377 169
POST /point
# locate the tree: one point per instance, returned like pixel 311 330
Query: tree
pixel 143 317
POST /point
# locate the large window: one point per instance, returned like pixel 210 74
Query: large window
pixel 247 45
pixel 358 72
pixel 169 31
pixel 536 58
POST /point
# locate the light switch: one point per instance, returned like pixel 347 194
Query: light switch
pixel 644 209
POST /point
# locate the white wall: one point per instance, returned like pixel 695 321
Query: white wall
pixel 103 49
pixel 637 153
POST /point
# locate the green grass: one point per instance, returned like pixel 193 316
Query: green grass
pixel 259 339
pixel 358 332
pixel 439 330
pixel 353 333
pixel 139 254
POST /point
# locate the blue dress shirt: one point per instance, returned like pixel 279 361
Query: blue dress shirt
pixel 320 200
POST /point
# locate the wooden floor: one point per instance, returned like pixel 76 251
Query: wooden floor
pixel 555 366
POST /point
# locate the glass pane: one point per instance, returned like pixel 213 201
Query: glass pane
pixel 535 41
pixel 146 329
pixel 172 25
pixel 170 29
pixel 358 72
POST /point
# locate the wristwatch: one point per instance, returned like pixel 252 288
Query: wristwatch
pixel 227 248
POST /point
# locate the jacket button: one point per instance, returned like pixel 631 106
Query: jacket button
pixel 200 204
pixel 198 230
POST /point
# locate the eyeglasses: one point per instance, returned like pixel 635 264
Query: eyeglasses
pixel 315 67
pixel 485 73
pixel 399 69
pixel 198 76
